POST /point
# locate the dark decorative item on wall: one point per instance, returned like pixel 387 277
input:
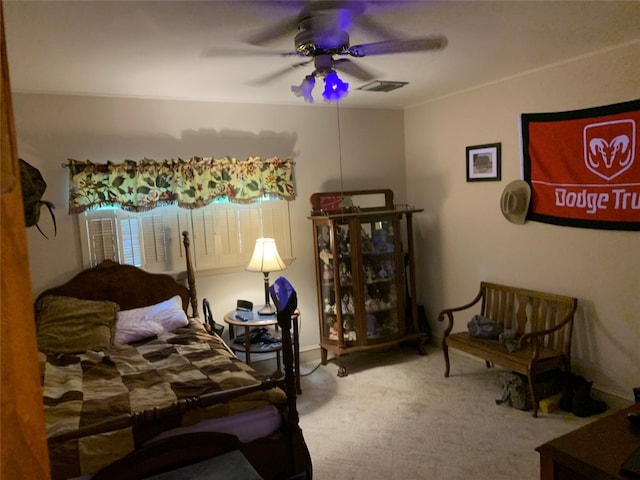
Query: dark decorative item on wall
pixel 33 187
pixel 583 166
pixel 483 162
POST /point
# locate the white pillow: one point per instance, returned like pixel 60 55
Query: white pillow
pixel 145 322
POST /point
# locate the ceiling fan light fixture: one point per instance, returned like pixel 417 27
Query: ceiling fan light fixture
pixel 334 88
pixel 381 86
pixel 305 88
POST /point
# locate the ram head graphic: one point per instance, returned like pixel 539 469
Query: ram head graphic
pixel 609 147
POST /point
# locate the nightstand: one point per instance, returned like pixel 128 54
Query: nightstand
pixel 247 321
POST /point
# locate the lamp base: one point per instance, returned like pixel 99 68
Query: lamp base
pixel 268 309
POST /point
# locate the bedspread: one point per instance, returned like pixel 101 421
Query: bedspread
pixel 81 390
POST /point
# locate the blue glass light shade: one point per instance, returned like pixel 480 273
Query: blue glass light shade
pixel 334 88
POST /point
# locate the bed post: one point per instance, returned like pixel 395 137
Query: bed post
pixel 300 459
pixel 191 278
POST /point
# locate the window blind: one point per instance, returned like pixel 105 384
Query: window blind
pixel 222 235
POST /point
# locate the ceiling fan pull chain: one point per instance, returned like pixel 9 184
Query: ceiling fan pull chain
pixel 340 148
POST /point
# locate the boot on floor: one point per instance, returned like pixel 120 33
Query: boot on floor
pixel 568 389
pixel 583 404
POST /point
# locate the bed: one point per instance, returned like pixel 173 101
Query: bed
pixel 134 383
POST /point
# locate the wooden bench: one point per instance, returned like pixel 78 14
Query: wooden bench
pixel 543 323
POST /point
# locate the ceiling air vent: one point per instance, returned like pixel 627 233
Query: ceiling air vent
pixel 381 86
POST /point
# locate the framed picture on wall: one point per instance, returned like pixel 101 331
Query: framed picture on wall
pixel 483 162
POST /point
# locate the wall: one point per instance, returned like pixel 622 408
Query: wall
pixel 463 238
pixel 53 128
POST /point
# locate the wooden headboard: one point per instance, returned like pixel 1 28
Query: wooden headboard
pixel 129 286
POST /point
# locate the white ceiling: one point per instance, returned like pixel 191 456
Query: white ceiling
pixel 157 49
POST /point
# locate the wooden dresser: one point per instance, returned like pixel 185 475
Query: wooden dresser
pixel 594 451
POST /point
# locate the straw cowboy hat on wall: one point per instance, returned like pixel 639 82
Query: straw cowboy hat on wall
pixel 514 202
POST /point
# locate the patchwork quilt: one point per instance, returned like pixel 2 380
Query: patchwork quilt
pixel 81 390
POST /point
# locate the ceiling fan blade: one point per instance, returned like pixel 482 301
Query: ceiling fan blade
pixel 351 68
pixel 398 46
pixel 222 52
pixel 340 14
pixel 275 32
pixel 316 15
pixel 365 22
pixel 278 73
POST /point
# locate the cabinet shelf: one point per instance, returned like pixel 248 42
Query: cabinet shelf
pixel 364 246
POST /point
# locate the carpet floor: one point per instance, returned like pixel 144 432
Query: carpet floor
pixel 395 416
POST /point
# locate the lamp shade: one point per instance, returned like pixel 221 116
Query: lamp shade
pixel 265 257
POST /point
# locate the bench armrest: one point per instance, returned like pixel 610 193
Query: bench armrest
pixel 532 337
pixel 449 312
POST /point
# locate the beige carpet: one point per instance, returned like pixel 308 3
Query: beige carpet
pixel 395 416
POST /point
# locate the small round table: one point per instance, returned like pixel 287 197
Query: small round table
pixel 250 320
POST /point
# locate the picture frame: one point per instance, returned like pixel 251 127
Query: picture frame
pixel 483 162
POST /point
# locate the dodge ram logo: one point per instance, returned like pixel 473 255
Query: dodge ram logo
pixel 609 147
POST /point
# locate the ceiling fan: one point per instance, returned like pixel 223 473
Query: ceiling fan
pixel 322 34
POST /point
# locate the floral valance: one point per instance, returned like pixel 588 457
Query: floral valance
pixel 192 183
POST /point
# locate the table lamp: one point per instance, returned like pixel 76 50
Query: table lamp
pixel 266 259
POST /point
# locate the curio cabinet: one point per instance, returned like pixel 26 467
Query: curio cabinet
pixel 364 272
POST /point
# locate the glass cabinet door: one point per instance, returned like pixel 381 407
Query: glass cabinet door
pixel 380 283
pixel 336 282
pixel 345 263
pixel 326 272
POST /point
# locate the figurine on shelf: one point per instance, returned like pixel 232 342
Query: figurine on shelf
pixel 389 268
pixel 326 307
pixel 323 239
pixel 369 277
pixel 367 245
pixel 327 273
pixel 333 329
pixel 326 256
pixel 348 332
pixel 382 272
pixel 377 301
pixel 370 304
pixel 329 307
pixel 345 275
pixel 385 302
pixel 343 241
pixel 379 241
pixel 347 303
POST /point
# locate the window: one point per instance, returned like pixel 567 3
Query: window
pixel 222 235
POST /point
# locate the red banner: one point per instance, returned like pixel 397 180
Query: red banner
pixel 584 166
